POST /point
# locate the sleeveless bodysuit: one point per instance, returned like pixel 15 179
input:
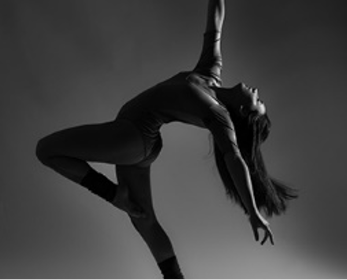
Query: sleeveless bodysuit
pixel 187 97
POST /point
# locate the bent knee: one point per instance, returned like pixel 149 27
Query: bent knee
pixel 44 150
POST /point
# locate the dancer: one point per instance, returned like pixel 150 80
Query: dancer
pixel 235 116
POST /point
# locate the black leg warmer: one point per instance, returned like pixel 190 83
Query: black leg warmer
pixel 170 269
pixel 100 185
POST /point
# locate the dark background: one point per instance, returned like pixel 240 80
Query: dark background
pixel 66 63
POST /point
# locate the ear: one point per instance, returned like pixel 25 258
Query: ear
pixel 244 111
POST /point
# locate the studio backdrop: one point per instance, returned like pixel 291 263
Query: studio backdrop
pixel 65 63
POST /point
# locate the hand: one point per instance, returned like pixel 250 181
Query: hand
pixel 123 202
pixel 257 221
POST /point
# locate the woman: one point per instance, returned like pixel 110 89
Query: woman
pixel 235 116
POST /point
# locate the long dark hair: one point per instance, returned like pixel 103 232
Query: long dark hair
pixel 271 196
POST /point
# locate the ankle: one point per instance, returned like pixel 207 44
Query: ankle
pixel 170 268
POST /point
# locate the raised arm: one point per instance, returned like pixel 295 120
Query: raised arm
pixel 210 62
pixel 215 15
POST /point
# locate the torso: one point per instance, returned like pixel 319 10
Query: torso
pixel 186 97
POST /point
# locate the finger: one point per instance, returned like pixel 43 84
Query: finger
pixel 271 237
pixel 255 232
pixel 265 238
pixel 272 240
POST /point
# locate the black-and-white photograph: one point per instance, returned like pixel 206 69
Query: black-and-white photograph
pixel 171 139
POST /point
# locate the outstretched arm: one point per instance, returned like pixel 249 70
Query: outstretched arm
pixel 215 15
pixel 210 62
pixel 239 173
pixel 222 128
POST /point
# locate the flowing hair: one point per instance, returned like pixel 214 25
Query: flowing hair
pixel 271 196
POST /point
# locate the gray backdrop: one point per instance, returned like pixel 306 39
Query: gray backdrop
pixel 66 63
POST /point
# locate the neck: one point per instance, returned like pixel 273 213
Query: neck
pixel 225 96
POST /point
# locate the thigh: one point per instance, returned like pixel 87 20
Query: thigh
pixel 116 142
pixel 137 180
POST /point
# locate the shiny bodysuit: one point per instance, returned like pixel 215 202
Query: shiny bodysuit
pixel 188 97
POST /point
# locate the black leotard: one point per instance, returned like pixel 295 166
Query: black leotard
pixel 187 97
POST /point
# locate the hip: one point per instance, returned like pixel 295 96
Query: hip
pixel 148 126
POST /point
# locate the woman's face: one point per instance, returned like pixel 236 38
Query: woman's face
pixel 248 99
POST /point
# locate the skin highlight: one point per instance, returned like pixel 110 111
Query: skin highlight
pixel 242 99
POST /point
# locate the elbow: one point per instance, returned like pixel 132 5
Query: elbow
pixel 235 161
pixel 233 155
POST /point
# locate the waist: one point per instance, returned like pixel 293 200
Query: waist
pixel 145 120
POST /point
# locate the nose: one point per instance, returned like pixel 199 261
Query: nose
pixel 253 90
